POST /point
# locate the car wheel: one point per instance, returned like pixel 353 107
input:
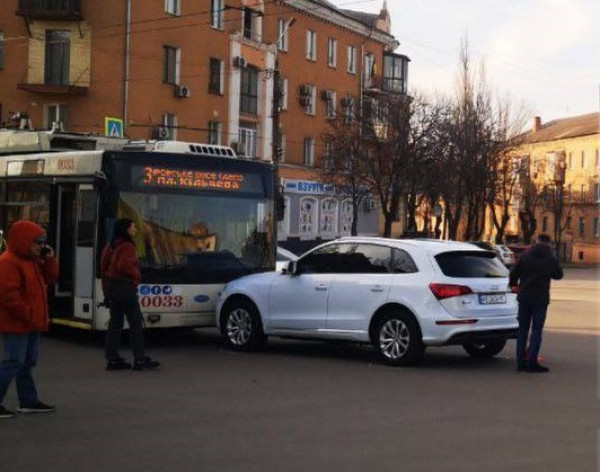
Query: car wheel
pixel 242 327
pixel 398 340
pixel 484 350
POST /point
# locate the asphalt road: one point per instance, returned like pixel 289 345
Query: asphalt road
pixel 301 406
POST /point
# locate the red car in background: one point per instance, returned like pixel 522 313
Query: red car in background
pixel 517 250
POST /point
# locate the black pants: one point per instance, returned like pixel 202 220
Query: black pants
pixel 123 301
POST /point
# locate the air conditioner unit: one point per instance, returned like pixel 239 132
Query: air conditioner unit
pixel 306 101
pixel 348 101
pixel 327 95
pixel 305 90
pixel 160 132
pixel 240 61
pixel 182 91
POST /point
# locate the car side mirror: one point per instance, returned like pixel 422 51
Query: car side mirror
pixel 292 268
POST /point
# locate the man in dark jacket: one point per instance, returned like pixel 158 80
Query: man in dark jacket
pixel 532 274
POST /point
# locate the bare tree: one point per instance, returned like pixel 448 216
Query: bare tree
pixel 385 125
pixel 475 136
pixel 507 170
pixel 466 144
pixel 344 162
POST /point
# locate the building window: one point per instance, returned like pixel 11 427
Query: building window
pixel 327 218
pixel 2 54
pixel 248 136
pixel 173 7
pixel 58 61
pixel 308 217
pixel 214 132
pixel 215 82
pixel 581 226
pixel 571 164
pixel 597 192
pixel 249 91
pixel 311 107
pixel 330 102
pixel 309 152
pixel 569 222
pixel 545 224
pixel 583 160
pixel 282 34
pixel 248 24
pixel 172 59
pixel 311 45
pixel 352 59
pixel 596 227
pixel 395 73
pixel 284 99
pixel 170 122
pixel 56 117
pixel 346 217
pixel 369 71
pixel 328 156
pixel 217 13
pixel 332 52
pixel 597 160
pixel 348 105
pixel 582 193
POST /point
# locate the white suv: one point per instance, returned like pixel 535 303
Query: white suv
pixel 399 295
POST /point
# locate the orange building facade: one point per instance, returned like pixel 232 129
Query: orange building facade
pixel 204 71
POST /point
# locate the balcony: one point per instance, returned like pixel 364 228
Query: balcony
pixel 50 9
pixel 47 89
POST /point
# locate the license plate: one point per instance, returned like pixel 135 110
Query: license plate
pixel 492 298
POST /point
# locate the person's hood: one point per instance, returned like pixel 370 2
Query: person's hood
pixel 540 250
pixel 21 235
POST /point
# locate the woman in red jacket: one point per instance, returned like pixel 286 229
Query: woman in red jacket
pixel 26 267
pixel 120 268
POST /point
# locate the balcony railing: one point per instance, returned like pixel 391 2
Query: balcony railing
pixel 50 9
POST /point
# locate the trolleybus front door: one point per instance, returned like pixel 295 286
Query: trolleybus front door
pixel 75 242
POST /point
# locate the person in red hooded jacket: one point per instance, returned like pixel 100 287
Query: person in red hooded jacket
pixel 26 267
pixel 120 269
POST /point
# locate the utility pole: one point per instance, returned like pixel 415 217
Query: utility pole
pixel 277 148
pixel 277 106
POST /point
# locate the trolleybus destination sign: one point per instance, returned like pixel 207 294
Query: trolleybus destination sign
pixel 161 176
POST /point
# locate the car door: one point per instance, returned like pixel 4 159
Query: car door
pixel 362 285
pixel 299 301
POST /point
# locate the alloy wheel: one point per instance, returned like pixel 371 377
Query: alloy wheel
pixel 394 339
pixel 239 326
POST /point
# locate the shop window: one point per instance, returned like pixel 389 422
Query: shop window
pixel 328 218
pixel 308 217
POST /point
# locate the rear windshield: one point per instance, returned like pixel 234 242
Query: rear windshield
pixel 473 264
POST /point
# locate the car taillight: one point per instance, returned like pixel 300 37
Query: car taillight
pixel 441 291
pixel 514 289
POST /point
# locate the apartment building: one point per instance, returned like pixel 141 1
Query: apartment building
pixel 204 71
pixel 562 162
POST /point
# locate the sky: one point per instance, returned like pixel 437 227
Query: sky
pixel 543 55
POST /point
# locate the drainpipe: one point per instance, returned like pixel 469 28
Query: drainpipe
pixel 127 72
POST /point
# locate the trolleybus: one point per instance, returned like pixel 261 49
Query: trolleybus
pixel 203 219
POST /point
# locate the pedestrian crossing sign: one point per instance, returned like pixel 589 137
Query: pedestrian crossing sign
pixel 113 127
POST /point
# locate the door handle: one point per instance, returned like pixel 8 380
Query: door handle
pixel 321 287
pixel 377 288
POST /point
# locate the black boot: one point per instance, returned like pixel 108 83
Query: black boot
pixel 145 364
pixel 118 364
